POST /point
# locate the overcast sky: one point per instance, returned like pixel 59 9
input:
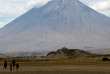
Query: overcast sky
pixel 11 9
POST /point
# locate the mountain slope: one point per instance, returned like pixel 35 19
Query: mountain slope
pixel 60 23
pixel 100 51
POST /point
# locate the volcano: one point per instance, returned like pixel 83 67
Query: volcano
pixel 60 23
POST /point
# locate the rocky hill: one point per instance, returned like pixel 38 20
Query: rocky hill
pixel 68 53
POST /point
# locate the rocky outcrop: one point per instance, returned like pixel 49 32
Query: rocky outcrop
pixel 68 53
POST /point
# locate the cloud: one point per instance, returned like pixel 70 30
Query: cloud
pixel 18 7
pixel 11 8
pixel 103 5
pixel 15 8
pixel 36 3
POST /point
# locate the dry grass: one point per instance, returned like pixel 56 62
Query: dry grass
pixel 57 72
pixel 55 59
pixel 61 66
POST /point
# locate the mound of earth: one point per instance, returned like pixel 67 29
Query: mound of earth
pixel 68 53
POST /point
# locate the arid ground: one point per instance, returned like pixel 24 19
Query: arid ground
pixel 60 67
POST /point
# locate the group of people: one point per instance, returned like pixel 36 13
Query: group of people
pixel 12 65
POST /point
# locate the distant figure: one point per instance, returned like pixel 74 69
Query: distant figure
pixel 17 66
pixel 5 64
pixel 13 63
pixel 10 66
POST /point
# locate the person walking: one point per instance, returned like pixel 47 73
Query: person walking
pixel 10 66
pixel 5 64
pixel 17 66
pixel 13 63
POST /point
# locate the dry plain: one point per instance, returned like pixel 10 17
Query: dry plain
pixel 61 67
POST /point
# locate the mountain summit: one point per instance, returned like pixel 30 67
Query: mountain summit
pixel 60 23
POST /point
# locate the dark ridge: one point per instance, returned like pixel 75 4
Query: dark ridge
pixel 68 53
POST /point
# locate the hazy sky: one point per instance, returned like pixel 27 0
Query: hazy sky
pixel 11 9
